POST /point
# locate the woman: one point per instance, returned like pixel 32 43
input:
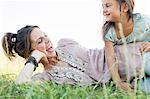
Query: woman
pixel 69 63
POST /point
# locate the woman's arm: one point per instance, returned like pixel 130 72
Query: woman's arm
pixel 110 57
pixel 26 73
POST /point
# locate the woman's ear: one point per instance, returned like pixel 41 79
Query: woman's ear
pixel 125 7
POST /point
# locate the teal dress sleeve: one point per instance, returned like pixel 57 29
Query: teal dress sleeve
pixel 110 35
pixel 147 29
pixel 143 29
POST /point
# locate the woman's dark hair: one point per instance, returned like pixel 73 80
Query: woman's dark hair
pixel 130 4
pixel 19 43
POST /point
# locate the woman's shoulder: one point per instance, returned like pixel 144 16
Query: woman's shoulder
pixel 66 41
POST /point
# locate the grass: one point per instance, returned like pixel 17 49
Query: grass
pixel 51 90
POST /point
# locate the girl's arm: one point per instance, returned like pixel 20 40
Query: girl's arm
pixel 26 73
pixel 110 57
pixel 145 47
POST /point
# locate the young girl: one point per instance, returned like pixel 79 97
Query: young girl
pixel 123 27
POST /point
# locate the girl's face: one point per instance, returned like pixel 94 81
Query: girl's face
pixel 40 41
pixel 111 10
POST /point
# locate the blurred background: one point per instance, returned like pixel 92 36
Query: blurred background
pixel 80 20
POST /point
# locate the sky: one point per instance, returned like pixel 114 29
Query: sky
pixel 80 20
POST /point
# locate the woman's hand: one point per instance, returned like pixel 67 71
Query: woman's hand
pixel 124 86
pixel 145 47
pixel 39 56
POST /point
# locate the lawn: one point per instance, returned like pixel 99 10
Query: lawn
pixel 50 90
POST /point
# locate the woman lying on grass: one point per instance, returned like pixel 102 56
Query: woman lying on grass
pixel 69 63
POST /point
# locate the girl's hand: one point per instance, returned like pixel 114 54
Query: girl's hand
pixel 125 86
pixel 39 56
pixel 145 47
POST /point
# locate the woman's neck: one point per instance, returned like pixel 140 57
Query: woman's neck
pixel 51 62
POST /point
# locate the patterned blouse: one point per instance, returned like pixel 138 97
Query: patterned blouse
pixel 81 66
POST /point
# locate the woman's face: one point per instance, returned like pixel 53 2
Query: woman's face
pixel 111 10
pixel 40 41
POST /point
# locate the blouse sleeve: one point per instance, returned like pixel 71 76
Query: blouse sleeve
pixel 65 42
pixel 41 77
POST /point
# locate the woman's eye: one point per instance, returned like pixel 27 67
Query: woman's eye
pixel 40 41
